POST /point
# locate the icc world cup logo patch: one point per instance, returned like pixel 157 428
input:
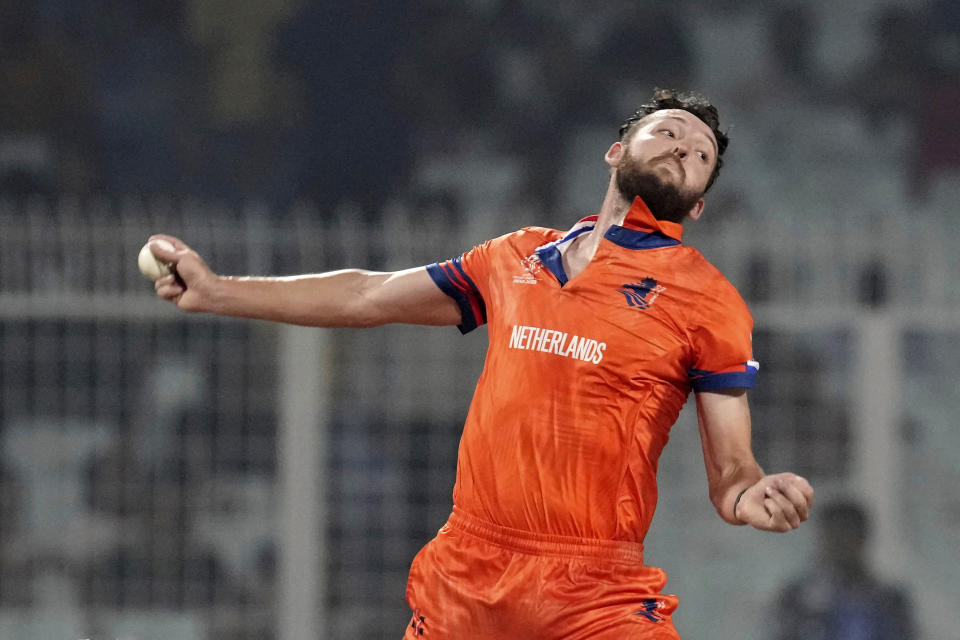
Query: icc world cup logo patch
pixel 531 267
pixel 641 295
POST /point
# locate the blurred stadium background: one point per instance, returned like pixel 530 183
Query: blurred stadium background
pixel 165 476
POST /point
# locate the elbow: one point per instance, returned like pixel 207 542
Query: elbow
pixel 357 308
pixel 365 310
pixel 365 315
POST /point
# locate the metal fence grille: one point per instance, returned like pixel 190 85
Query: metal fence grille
pixel 139 466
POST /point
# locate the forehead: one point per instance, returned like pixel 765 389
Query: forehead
pixel 695 124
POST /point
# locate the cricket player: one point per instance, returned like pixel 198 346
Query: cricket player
pixel 597 337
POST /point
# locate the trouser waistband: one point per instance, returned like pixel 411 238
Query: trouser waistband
pixel 542 544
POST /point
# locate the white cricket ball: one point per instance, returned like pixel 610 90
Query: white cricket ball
pixel 150 266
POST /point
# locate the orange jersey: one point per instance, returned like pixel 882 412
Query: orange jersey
pixel 584 377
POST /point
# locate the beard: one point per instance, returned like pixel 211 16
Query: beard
pixel 665 201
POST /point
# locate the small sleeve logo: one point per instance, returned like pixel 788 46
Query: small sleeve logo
pixel 531 267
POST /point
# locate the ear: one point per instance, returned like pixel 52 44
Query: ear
pixel 697 210
pixel 614 154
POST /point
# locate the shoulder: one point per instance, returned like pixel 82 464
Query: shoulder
pixel 712 285
pixel 526 239
pixel 699 266
pixel 540 235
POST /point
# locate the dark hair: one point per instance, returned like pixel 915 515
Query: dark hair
pixel 697 104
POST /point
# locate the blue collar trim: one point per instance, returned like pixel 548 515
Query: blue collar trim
pixel 551 258
pixel 633 239
pixel 551 254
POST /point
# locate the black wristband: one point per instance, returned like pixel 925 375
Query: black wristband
pixel 737 502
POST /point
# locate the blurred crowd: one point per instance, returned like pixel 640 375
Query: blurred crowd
pixel 355 101
pixel 438 105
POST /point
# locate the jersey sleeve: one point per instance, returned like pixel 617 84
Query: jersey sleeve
pixel 722 342
pixel 458 278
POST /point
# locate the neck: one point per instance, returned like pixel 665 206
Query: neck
pixel 612 211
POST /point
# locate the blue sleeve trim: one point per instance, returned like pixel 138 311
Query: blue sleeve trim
pixel 474 296
pixel 468 322
pixel 478 298
pixel 717 381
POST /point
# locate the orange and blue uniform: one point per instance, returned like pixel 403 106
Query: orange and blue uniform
pixel 556 475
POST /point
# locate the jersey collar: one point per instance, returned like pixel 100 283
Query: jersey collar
pixel 640 230
pixel 551 254
pixel 639 218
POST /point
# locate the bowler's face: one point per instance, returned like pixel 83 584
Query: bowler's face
pixel 676 146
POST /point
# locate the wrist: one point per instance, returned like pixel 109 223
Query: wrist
pixel 736 505
pixel 215 294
